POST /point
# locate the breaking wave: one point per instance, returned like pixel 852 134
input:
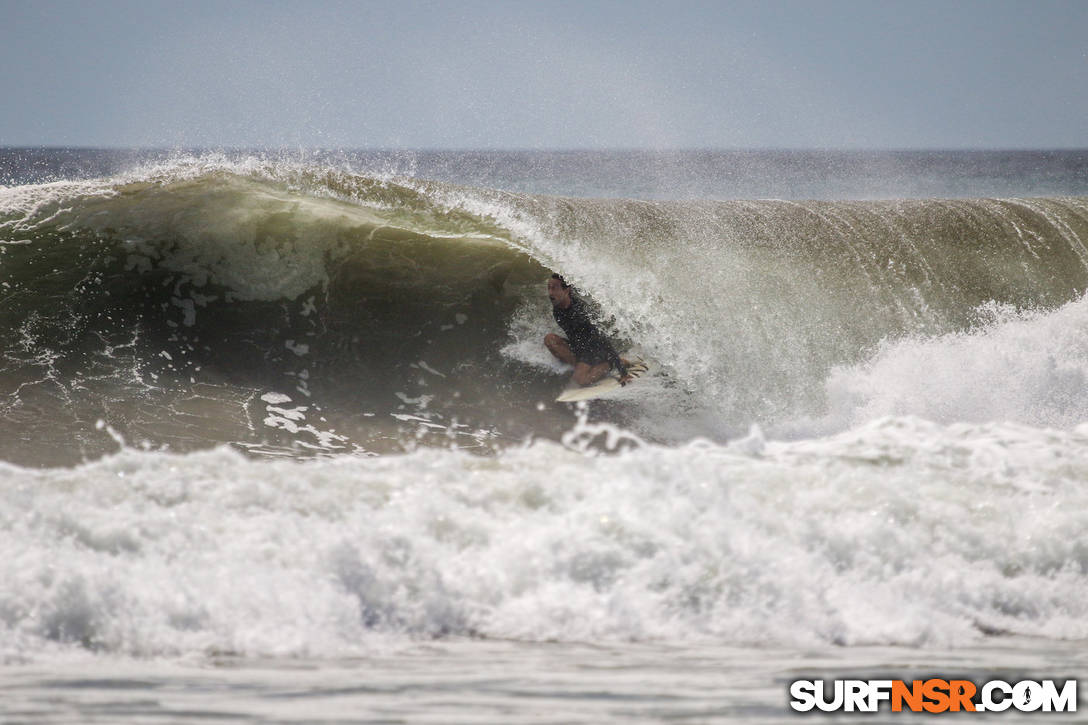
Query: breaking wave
pixel 284 308
pixel 869 426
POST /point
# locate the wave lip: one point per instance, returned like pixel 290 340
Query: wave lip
pixel 169 300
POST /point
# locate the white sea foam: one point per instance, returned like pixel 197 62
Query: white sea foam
pixel 923 490
pixel 900 531
pixel 1025 367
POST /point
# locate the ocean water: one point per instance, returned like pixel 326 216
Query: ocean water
pixel 278 439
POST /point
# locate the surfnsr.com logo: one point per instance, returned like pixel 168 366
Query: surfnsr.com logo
pixel 933 695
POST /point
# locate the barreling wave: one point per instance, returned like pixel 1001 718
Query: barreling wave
pixel 289 307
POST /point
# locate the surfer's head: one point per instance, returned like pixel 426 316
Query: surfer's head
pixel 559 291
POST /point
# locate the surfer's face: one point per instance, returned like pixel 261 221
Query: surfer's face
pixel 557 294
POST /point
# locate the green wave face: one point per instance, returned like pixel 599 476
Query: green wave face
pixel 177 304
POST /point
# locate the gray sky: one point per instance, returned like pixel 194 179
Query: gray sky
pixel 475 74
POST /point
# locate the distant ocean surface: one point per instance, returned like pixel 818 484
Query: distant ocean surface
pixel 278 439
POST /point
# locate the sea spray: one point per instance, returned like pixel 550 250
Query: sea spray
pixel 170 298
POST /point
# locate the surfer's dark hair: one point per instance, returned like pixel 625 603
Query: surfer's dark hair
pixel 556 275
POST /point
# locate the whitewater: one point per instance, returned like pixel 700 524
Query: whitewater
pixel 278 437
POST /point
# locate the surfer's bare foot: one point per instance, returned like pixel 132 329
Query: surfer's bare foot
pixel 626 377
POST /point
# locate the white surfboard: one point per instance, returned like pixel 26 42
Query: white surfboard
pixel 607 385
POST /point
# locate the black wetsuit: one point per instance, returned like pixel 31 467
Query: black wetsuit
pixel 588 344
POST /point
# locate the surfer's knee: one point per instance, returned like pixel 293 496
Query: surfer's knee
pixel 554 342
pixel 586 374
pixel 560 348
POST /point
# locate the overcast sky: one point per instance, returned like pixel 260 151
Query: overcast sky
pixel 474 74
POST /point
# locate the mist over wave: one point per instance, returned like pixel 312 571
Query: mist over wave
pixel 286 307
pixel 271 408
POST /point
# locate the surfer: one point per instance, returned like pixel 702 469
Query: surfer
pixel 585 347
